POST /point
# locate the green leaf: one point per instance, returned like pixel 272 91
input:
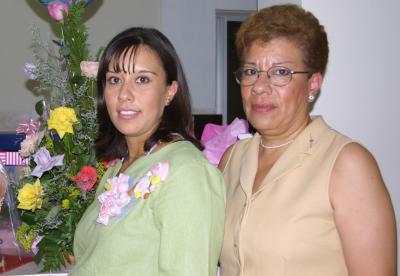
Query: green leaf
pixel 78 127
pixel 39 108
pixel 53 213
pixel 39 255
pixel 28 217
pixel 78 150
pixel 68 226
pixel 58 147
pixel 64 51
pixel 68 142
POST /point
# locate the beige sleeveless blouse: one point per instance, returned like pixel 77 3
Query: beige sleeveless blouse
pixel 286 227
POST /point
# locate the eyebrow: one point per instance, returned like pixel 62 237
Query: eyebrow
pixel 146 72
pixel 282 63
pixel 273 64
pixel 136 72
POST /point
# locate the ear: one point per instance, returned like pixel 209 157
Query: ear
pixel 171 91
pixel 315 83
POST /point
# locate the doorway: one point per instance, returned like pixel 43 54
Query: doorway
pixel 229 101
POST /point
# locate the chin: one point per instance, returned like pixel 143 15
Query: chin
pixel 262 123
pixel 128 131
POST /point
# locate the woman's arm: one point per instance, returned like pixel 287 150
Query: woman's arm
pixel 190 216
pixel 363 214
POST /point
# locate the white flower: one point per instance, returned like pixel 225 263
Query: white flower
pixel 89 68
pixel 30 71
pixel 28 146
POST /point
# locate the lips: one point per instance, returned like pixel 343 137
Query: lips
pixel 263 107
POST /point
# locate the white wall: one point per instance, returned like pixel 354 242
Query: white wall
pixel 266 3
pixel 16 16
pixel 235 5
pixel 191 26
pixel 360 96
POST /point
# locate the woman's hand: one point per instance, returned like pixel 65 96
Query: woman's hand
pixel 70 259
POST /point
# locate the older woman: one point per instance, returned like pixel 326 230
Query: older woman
pixel 302 199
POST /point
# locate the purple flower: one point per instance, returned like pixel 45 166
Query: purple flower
pixel 30 71
pixel 44 162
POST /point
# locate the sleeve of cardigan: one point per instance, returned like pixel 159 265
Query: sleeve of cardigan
pixel 190 217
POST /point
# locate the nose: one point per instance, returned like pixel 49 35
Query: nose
pixel 125 92
pixel 262 84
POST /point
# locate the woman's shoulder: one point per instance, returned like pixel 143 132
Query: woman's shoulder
pixel 182 151
pixel 355 171
pixel 185 154
pixel 187 164
pixel 355 155
pixel 235 150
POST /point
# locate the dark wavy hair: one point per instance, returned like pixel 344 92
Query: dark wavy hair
pixel 293 23
pixel 177 117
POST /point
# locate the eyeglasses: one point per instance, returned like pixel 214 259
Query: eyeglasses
pixel 278 75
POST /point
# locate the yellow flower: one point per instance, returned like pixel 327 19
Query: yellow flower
pixel 75 193
pixel 25 236
pixel 155 179
pixel 107 186
pixel 30 196
pixel 61 119
pixel 65 204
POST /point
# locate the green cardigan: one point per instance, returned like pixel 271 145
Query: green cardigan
pixel 176 231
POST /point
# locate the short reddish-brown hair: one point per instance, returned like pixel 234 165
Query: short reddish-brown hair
pixel 292 23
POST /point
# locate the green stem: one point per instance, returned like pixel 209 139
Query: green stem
pixel 62 30
pixel 91 89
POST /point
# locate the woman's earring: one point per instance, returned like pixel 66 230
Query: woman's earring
pixel 311 98
pixel 167 102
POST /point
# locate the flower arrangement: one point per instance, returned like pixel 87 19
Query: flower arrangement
pixel 63 170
